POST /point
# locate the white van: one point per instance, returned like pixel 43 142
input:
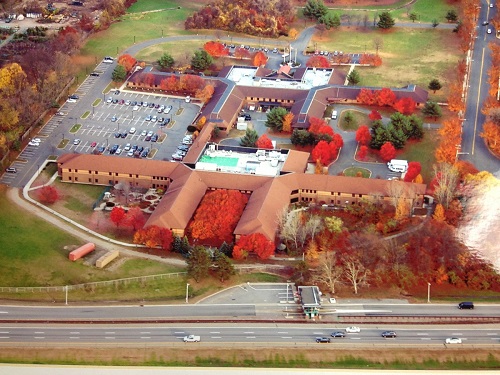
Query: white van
pixel 334 115
pixel 396 165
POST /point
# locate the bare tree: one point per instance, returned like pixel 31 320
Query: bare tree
pixel 446 183
pixel 321 28
pixel 355 272
pixel 378 43
pixel 365 21
pixel 396 190
pixel 328 272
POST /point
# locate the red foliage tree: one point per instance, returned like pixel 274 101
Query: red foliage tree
pixel 366 96
pixel 334 149
pixel 406 106
pixel 414 169
pixel 315 124
pixel 338 140
pixel 363 135
pixel 387 151
pixel 385 97
pixel 254 243
pixel 362 152
pixel 217 215
pixel 215 49
pixel 322 153
pixel 135 218
pixel 241 53
pixel 264 142
pixel 127 61
pixel 318 62
pixel 117 215
pixel 374 115
pixel 169 84
pixel 191 83
pixel 373 60
pixel 259 59
pixel 48 194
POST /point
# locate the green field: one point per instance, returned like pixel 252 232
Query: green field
pixel 426 10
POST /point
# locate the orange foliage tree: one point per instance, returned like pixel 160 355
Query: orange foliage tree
pixel 455 102
pixel 259 59
pixel 450 134
pixel 127 61
pixel 491 135
pixel 191 82
pixel 366 96
pixel 254 243
pixel 217 215
pixel 264 142
pixel 154 236
pixel 205 94
pixel 406 106
pixel 385 97
pixel 287 122
pixel 135 218
pixel 169 84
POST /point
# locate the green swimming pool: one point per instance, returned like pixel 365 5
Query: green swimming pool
pixel 221 161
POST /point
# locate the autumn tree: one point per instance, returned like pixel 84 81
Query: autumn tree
pixel 413 171
pixel 363 135
pixel 439 213
pixel 198 263
pixel 117 215
pixel 215 49
pixel 387 151
pixel 385 97
pixel 264 142
pixel 241 53
pixel 362 152
pixel 374 115
pixel 255 243
pixel 48 194
pixel 153 236
pixel 445 183
pixel 354 271
pixel 318 61
pixel 322 153
pixel 205 94
pixel 287 122
pixel 135 218
pixel 127 61
pixel 450 134
pixel 406 106
pixel 259 59
pixel 366 96
pixel 491 135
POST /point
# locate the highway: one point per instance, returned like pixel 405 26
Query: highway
pixel 230 311
pixel 276 334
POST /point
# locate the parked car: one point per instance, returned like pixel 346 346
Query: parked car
pixel 145 104
pixel 77 141
pixel 115 101
pixel 144 133
pixel 130 153
pixel 127 147
pixel 99 150
pixel 94 74
pixel 188 99
pixel 154 118
pixel 108 60
pixel 127 102
pixel 248 117
pixel 124 135
pixel 118 151
pixel 338 334
pixel 154 138
pixel 167 109
pixel 71 100
pixel 388 334
pixel 135 108
pixel 132 130
pixel 93 144
pixel 109 100
pixel 148 118
pixel 150 133
pixel 114 118
pixel 148 138
pixel 177 157
pixel 453 340
pixel 322 339
pixel 353 329
pixel 11 170
pixel 151 105
pixel 161 119
pixel 117 135
pixel 183 147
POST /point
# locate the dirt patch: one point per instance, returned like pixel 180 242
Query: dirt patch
pixel 170 354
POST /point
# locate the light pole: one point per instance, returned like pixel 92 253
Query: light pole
pixel 66 288
pixel 187 293
pixel 428 292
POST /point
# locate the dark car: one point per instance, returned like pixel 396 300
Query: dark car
pixel 75 97
pixel 117 92
pixel 145 152
pixel 124 135
pixel 11 170
pixel 133 103
pixel 140 148
pixel 113 149
pixel 339 334
pixel 151 105
pixel 389 334
pixel 466 306
pixel 248 117
pixel 183 147
pixel 322 339
pixel 94 74
pixel 115 101
pixel 154 138
pixel 118 135
pixel 99 150
pixel 135 147
pixel 148 138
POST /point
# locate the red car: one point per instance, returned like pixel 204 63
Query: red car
pixel 93 144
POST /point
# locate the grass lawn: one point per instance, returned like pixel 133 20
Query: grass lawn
pixel 426 11
pixel 408 55
pixel 353 172
pixel 359 118
pixel 153 53
pixel 423 152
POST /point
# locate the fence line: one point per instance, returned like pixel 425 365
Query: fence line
pixel 33 289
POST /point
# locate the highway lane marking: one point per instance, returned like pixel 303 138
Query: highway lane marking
pixel 422 334
pixel 39 337
pixel 214 332
pixel 457 334
pixel 251 337
pixel 216 337
pixel 477 104
pixel 39 332
pixel 144 333
pixel 74 337
pixel 425 338
pixel 286 337
pixel 248 332
pixel 487 334
pixel 4 312
pixel 109 333
pixel 109 338
pixel 7 337
pixel 318 333
pixel 283 333
pixel 145 337
pixel 178 333
pixel 75 333
pixel 4 332
pixel 355 338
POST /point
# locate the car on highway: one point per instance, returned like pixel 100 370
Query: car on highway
pixel 338 334
pixel 77 141
pixel 453 340
pixel 191 338
pixel 11 170
pixel 323 340
pixel 388 334
pixel 353 329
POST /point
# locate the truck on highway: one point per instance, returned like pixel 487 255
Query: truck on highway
pixel 191 338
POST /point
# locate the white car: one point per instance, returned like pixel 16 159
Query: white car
pixel 143 133
pixel 127 147
pixel 135 108
pixel 353 329
pixel 127 102
pixel 108 60
pixel 453 340
pixel 150 133
pixel 333 300
pixel 191 338
pixel 489 31
pixel 76 141
pixel 188 99
pixel 71 100
pixel 118 151
pixel 132 131
pixel 109 100
pixel 145 104
pixel 31 143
